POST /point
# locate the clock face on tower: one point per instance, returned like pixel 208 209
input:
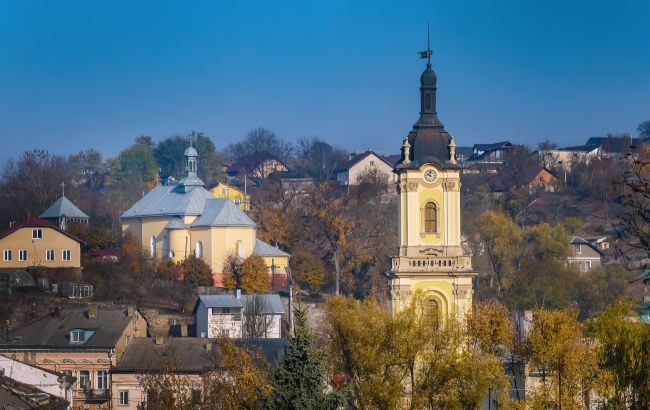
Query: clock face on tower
pixel 430 175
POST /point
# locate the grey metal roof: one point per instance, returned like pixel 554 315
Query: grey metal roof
pixel 169 200
pixel 188 354
pixel 63 207
pixel 264 249
pixel 223 212
pixel 176 223
pixel 52 332
pixel 272 302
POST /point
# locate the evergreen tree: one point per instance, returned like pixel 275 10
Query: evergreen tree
pixel 298 383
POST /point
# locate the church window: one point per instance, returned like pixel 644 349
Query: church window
pixel 152 246
pixel 433 311
pixel 198 251
pixel 239 249
pixel 430 218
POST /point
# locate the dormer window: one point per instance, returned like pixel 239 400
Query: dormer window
pixel 37 234
pixel 77 336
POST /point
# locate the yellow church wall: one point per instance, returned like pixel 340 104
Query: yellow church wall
pixel 132 227
pixel 204 234
pixel 225 241
pixel 179 244
pixel 154 227
pixel 436 196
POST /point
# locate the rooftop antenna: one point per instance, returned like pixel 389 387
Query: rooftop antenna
pixel 427 54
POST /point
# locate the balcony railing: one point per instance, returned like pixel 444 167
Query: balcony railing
pixel 96 395
pixel 432 264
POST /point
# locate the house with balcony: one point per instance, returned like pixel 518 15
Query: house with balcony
pixel 81 343
pixel 239 316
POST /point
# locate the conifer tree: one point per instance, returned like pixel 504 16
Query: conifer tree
pixel 299 382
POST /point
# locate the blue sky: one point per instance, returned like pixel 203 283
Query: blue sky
pixel 96 74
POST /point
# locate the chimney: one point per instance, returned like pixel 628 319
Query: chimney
pixel 238 293
pixel 183 330
pixel 92 311
pixel 159 340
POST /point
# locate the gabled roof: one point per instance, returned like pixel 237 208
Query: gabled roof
pixel 271 301
pixel 62 207
pixel 360 157
pixel 493 146
pixel 620 145
pixel 37 223
pixel 53 331
pixel 252 161
pixel 533 170
pixel 576 240
pixel 169 201
pixel 188 354
pixel 176 223
pixel 579 148
pixel 264 249
pixel 223 212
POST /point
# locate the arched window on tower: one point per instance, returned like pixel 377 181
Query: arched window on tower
pixel 430 218
pixel 433 311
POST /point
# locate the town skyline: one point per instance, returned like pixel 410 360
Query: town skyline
pixel 97 77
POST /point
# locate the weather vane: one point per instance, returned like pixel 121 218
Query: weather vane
pixel 427 54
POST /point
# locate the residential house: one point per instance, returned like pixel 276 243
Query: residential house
pixel 567 157
pixel 36 243
pixel 540 177
pixel 349 172
pixel 84 344
pixel 48 381
pixel 174 222
pixel 602 242
pixel 494 153
pixel 225 191
pixel 257 165
pixel 188 358
pixel 63 212
pixel 616 147
pixel 586 255
pixel 15 395
pixel 226 315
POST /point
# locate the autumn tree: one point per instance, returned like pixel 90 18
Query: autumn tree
pixel 250 274
pixel 565 358
pixel 624 355
pixel 308 272
pixel 196 272
pixel 137 164
pixel 501 238
pixel 317 158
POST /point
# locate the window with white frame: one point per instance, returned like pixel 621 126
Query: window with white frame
pixel 7 255
pixel 37 233
pixel 124 397
pixel 22 255
pixel 77 336
pixel 587 266
pixel 577 249
pixel 50 255
pixel 66 255
pixel 102 379
pixel 84 379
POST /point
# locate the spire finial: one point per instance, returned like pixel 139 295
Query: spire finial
pixel 191 135
pixel 427 54
pixel 63 187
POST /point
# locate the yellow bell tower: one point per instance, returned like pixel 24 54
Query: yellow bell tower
pixel 431 258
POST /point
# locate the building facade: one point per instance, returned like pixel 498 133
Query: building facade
pixel 36 242
pixel 349 172
pixel 225 191
pixel 430 257
pixel 84 344
pixel 177 221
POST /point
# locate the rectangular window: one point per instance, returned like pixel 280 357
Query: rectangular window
pixel 37 234
pixel 49 255
pixel 225 310
pixel 22 255
pixel 577 249
pixel 77 336
pixel 102 379
pixel 84 379
pixel 587 266
pixel 7 255
pixel 124 397
pixel 67 254
pixel 372 163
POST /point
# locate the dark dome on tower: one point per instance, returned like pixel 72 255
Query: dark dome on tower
pixel 428 77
